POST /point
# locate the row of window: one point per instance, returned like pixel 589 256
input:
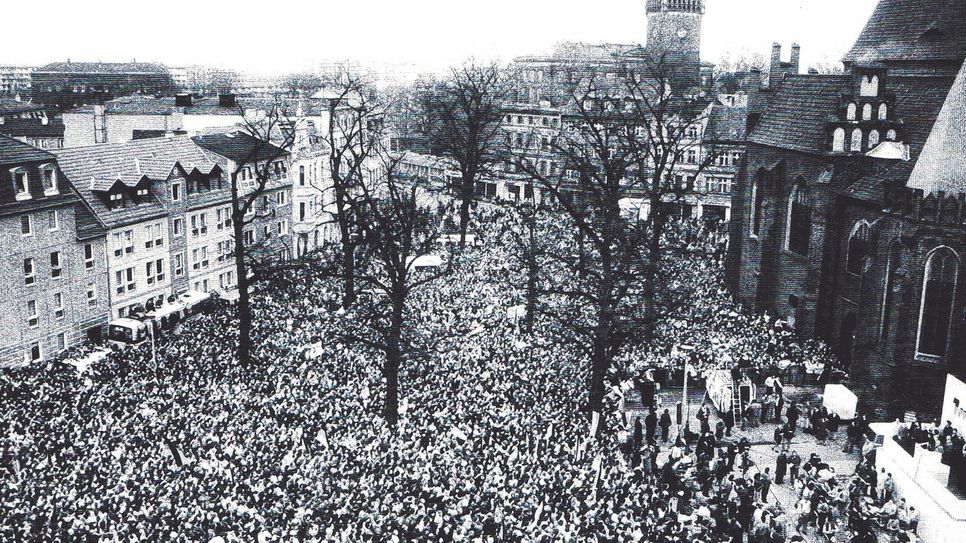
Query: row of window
pixel 35 352
pixel 58 308
pixel 851 112
pixel 21 181
pixel 27 222
pixel 798 216
pixel 529 120
pixel 856 140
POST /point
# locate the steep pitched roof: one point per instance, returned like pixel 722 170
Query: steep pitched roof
pixel 13 151
pixel 942 163
pixel 726 124
pixel 909 30
pixel 97 168
pixel 797 113
pixel 240 147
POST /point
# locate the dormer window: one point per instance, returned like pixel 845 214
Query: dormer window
pixel 21 184
pixel 48 178
pixel 142 193
pixel 869 86
pixel 115 200
pixel 850 112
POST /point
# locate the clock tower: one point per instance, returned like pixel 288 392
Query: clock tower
pixel 675 26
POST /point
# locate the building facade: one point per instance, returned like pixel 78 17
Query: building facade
pixel 65 85
pixel 54 266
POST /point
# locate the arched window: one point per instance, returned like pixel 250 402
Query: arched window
pixel 883 112
pixel 938 293
pixel 21 183
pixel 891 135
pixel 889 288
pixel 867 112
pixel 838 140
pixel 850 112
pixel 873 138
pixel 856 140
pixel 799 225
pixel 858 248
pixel 758 198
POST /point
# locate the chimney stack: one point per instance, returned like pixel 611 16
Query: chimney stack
pixel 776 55
pixel 182 99
pixel 226 100
pixel 796 57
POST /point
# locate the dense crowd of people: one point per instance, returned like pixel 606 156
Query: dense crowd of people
pixel 492 443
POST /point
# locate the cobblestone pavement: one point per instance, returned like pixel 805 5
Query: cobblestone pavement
pixel 763 454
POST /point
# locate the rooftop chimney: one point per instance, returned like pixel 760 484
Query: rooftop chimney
pixel 182 99
pixel 796 57
pixel 226 100
pixel 776 54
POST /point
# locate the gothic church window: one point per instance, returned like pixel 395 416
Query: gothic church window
pixel 838 140
pixel 938 293
pixel 799 226
pixel 858 248
pixel 856 140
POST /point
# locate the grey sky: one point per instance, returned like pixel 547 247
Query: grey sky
pixel 429 34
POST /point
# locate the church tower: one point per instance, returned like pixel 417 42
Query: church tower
pixel 675 26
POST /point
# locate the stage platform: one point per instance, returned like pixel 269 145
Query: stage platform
pixel 922 479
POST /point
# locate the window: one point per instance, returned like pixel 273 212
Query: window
pixel 55 269
pixel 124 280
pixel 178 227
pixel 89 256
pixel 891 135
pixel 267 232
pixel 249 237
pixel 883 112
pixel 179 264
pixel 799 220
pixel 115 200
pixel 867 112
pixel 28 271
pixel 850 112
pixel 838 140
pixel 199 258
pixel 301 176
pixel 21 184
pixel 758 197
pixel 48 179
pixel 280 198
pixel 873 138
pixel 91 295
pixel 53 220
pixel 61 341
pixel 33 320
pixel 281 227
pixel 155 271
pixel 175 192
pixel 938 293
pixel 26 228
pixel 692 156
pixel 889 288
pixel 35 354
pixel 58 305
pixel 856 140
pixel 301 211
pixel 129 241
pixel 869 86
pixel 858 248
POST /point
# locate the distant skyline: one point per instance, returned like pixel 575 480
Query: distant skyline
pixel 428 35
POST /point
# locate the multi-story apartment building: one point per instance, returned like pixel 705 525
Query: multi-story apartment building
pixel 530 131
pixel 64 85
pixel 15 79
pixel 267 232
pixel 313 216
pixel 52 259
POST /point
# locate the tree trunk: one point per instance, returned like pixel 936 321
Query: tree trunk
pixel 466 200
pixel 600 365
pixel 532 274
pixel 393 361
pixel 649 289
pixel 244 305
pixel 348 270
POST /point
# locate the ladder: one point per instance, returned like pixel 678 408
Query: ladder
pixel 736 402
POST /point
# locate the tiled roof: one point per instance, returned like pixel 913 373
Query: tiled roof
pixel 904 30
pixel 150 105
pixel 797 113
pixel 34 128
pixel 726 123
pixel 240 147
pixel 97 168
pixel 942 163
pixel 103 68
pixel 13 151
pixel 10 106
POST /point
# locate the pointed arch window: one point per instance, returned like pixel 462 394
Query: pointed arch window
pixel 891 135
pixel 758 200
pixel 799 227
pixel 938 294
pixel 850 112
pixel 883 112
pixel 856 144
pixel 873 138
pixel 858 248
pixel 838 140
pixel 889 288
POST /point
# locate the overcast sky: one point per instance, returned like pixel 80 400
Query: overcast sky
pixel 429 34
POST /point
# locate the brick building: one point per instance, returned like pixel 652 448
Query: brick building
pixel 808 244
pixel 54 264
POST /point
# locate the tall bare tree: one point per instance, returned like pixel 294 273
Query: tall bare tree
pixel 621 140
pixel 400 232
pixel 463 115
pixel 257 152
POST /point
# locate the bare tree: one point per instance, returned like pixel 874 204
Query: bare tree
pixel 464 115
pixel 352 136
pixel 257 153
pixel 399 233
pixel 621 140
